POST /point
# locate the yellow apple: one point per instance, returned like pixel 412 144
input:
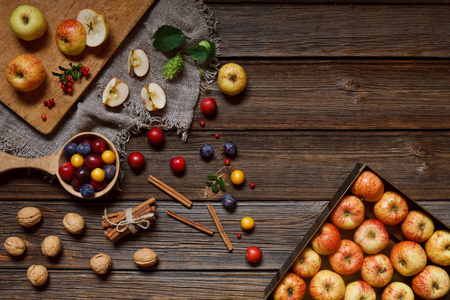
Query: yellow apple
pixel 27 22
pixel 232 79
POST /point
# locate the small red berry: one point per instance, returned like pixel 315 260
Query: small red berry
pixel 227 162
pixel 252 185
pixel 51 102
pixel 87 69
pixel 202 123
pixel 69 90
pixel 238 235
pixel 69 84
pixel 44 118
pixel 68 78
pixel 84 74
pixel 63 86
pixel 217 135
pixel 46 103
pixel 83 68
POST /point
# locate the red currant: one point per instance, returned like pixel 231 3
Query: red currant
pixel 63 86
pixel 69 84
pixel 44 118
pixel 217 135
pixel 227 162
pixel 83 68
pixel 238 235
pixel 84 74
pixel 87 69
pixel 202 123
pixel 68 78
pixel 51 102
pixel 252 185
pixel 46 103
pixel 69 90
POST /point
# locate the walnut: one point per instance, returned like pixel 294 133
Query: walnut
pixel 145 257
pixel 37 275
pixel 51 246
pixel 29 216
pixel 15 246
pixel 74 223
pixel 101 263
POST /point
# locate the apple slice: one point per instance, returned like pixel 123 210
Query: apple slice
pixel 153 97
pixel 137 63
pixel 97 30
pixel 115 93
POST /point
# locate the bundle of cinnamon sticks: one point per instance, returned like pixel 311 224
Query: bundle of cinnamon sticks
pixel 112 231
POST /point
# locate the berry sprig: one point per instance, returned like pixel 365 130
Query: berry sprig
pixel 70 75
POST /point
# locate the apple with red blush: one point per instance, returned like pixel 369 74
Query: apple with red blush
pixel 290 287
pixel 348 213
pixel 431 283
pixel 391 209
pixel 327 239
pixel 307 263
pixel 348 259
pixel 408 258
pixel 377 270
pixel 368 186
pixel 397 291
pixel 359 290
pixel 417 226
pixel 438 247
pixel 371 236
pixel 327 285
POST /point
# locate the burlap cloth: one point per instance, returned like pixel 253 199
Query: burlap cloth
pixel 120 123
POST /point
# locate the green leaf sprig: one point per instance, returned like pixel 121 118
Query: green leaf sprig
pixel 73 71
pixel 215 182
pixel 168 38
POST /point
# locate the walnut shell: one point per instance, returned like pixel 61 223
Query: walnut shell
pixel 51 246
pixel 73 223
pixel 29 216
pixel 37 275
pixel 101 263
pixel 145 257
pixel 15 246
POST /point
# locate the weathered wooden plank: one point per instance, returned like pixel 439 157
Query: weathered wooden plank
pixel 341 94
pixel 279 227
pixel 285 165
pixel 289 30
pixel 75 284
pixel 334 2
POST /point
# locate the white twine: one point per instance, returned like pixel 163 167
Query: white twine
pixel 130 222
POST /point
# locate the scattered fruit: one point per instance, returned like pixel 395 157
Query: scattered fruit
pixel 207 152
pixel 155 136
pixel 71 37
pixel 25 73
pixel 238 235
pixel 253 254
pixel 44 118
pixel 96 28
pixel 177 164
pixel 237 177
pixel 227 162
pixel 230 149
pixel 115 93
pixel 217 136
pixel 136 160
pixel 202 123
pixel 208 106
pixel 247 223
pixel 27 22
pixel 252 185
pixel 229 202
pixel 232 79
pixel 137 63
pixel 153 97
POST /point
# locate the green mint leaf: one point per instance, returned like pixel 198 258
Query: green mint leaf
pixel 168 38
pixel 222 184
pixel 199 53
pixel 211 177
pixel 208 183
pixel 214 187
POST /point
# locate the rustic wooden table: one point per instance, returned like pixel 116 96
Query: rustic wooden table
pixel 330 85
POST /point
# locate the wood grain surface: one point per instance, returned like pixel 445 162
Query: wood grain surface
pixel 121 17
pixel 329 85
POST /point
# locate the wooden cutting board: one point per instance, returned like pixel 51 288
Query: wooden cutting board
pixel 121 17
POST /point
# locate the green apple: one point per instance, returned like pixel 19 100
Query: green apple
pixel 25 73
pixel 232 79
pixel 71 37
pixel 27 22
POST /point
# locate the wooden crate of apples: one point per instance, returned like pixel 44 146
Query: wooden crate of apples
pixel 371 242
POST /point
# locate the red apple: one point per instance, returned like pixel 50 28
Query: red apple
pixel 408 258
pixel 431 283
pixel 377 270
pixel 327 285
pixel 290 287
pixel 438 247
pixel 397 291
pixel 371 236
pixel 70 37
pixel 327 239
pixel 391 209
pixel 359 290
pixel 25 73
pixel 417 226
pixel 368 187
pixel 307 264
pixel 349 213
pixel 348 259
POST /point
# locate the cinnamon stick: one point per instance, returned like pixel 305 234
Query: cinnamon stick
pixel 170 191
pixel 120 216
pixel 190 223
pixel 219 226
pixel 115 235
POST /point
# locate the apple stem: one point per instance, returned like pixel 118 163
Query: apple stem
pixel 25 20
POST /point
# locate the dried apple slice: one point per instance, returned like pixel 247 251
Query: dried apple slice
pixel 115 93
pixel 137 63
pixel 97 30
pixel 153 97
